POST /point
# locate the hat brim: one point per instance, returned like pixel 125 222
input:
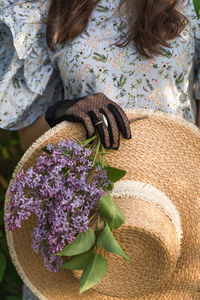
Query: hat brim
pixel 164 151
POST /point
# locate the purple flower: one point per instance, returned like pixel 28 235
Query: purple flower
pixel 60 192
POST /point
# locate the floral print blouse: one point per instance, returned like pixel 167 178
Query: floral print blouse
pixel 33 78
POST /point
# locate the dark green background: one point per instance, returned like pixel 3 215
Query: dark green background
pixel 10 154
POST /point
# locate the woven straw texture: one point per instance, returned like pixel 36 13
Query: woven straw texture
pixel 165 152
pixel 149 238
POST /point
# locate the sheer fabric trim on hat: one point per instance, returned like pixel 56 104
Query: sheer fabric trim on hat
pixel 147 192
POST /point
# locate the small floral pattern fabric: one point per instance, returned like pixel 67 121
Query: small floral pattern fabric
pixel 32 77
pixel 27 294
pixel 28 81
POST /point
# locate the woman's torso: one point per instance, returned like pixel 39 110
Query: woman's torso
pixel 93 63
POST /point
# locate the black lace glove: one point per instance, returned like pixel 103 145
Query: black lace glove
pixel 94 112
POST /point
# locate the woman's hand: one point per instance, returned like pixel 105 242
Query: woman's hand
pixel 94 112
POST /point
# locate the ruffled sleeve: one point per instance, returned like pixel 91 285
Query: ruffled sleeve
pixel 28 81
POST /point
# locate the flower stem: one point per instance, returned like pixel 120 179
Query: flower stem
pixel 97 228
pixel 86 142
pixel 92 218
pixel 96 153
pixel 103 155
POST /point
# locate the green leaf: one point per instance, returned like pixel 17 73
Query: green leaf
pixel 2 265
pixel 85 142
pixel 3 244
pixel 114 174
pixel 110 187
pixel 12 278
pixel 78 262
pixel 5 153
pixel 12 298
pixel 2 197
pixel 13 142
pixel 1 217
pixel 94 272
pixel 110 212
pixel 197 7
pixel 108 242
pixel 82 243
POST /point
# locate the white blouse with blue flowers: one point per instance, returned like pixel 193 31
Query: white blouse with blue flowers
pixel 33 78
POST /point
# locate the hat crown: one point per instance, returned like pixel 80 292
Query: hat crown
pixel 150 235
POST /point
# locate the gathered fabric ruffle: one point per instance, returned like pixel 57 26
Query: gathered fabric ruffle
pixel 25 66
pixel 26 23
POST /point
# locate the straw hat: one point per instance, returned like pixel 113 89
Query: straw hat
pixel 160 198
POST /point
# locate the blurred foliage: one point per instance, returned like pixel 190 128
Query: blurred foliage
pixel 10 154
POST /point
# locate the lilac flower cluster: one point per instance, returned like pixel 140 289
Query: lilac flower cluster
pixel 62 191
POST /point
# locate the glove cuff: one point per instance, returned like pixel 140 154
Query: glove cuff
pixel 50 115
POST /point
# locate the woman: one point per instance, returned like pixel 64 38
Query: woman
pixel 140 54
pixel 137 59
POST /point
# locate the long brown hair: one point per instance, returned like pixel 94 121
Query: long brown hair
pixel 152 23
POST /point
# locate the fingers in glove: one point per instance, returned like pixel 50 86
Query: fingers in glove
pixel 87 123
pixel 121 119
pixel 112 129
pixel 101 127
